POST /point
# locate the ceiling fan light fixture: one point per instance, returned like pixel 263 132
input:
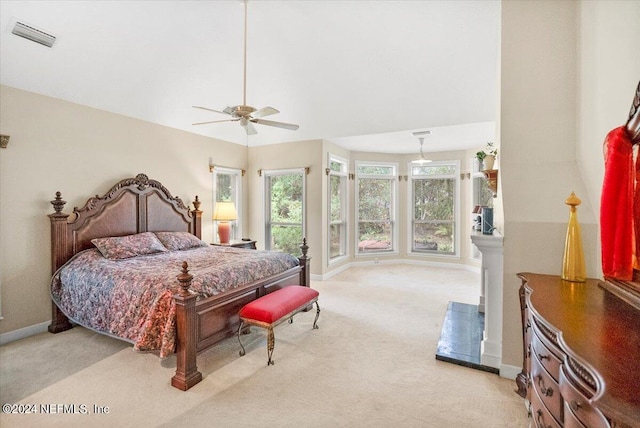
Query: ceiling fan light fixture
pixel 247 115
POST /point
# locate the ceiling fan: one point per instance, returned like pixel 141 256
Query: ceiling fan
pixel 245 114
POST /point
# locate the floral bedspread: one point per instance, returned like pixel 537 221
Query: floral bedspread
pixel 132 300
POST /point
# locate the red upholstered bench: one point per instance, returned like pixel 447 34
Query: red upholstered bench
pixel 270 310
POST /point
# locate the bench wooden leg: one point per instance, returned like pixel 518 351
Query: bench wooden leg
pixel 271 341
pixel 315 321
pixel 242 351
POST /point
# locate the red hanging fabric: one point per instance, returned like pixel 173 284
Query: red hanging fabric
pixel 617 207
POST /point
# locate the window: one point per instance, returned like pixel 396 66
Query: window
pixel 227 187
pixel 434 206
pixel 482 195
pixel 337 207
pixel 285 210
pixel 376 207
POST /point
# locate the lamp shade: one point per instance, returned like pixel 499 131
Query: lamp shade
pixel 225 211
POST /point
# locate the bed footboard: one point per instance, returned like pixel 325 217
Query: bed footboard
pixel 200 325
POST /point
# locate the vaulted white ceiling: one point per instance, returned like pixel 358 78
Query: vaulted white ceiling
pixel 362 74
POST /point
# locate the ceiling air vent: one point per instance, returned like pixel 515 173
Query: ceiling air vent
pixel 33 34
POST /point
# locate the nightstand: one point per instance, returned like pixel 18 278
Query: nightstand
pixel 237 243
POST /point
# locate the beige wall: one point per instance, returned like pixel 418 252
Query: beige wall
pixel 552 127
pixel 80 151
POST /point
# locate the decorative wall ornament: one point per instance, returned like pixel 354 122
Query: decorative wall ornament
pixel 4 141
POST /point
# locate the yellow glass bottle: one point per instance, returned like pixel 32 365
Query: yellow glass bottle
pixel 573 266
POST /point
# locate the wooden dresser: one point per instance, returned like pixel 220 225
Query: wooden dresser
pixel 581 364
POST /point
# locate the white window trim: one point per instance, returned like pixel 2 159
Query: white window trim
pixel 345 174
pixel 456 213
pixel 394 212
pixel 267 200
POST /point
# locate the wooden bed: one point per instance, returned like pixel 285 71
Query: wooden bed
pixel 139 204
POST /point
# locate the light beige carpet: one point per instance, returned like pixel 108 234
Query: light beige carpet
pixel 370 364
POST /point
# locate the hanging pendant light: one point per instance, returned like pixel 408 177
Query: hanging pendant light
pixel 421 160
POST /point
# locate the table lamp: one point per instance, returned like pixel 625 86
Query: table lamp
pixel 223 214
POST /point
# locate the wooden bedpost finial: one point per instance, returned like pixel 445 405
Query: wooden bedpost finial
pixel 196 204
pixel 58 203
pixel 185 280
pixel 304 247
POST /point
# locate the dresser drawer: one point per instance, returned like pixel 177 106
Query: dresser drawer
pixel 541 416
pixel 547 388
pixel 577 405
pixel 543 352
pixel 570 420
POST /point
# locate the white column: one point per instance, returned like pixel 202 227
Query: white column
pixel 491 295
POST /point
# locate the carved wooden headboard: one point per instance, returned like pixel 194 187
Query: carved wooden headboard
pixel 132 205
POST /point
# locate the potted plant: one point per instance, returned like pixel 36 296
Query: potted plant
pixel 480 156
pixel 490 155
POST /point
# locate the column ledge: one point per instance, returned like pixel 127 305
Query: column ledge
pixel 481 240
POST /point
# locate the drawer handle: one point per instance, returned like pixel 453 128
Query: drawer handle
pixel 543 357
pixel 546 391
pixel 575 406
pixel 540 419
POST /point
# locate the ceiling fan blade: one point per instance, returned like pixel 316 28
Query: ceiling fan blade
pixel 215 121
pixel 210 109
pixel 276 124
pixel 265 111
pixel 229 110
pixel 251 130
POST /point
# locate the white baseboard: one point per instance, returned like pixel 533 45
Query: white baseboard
pixel 21 333
pixel 332 273
pixel 509 372
pixel 413 262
